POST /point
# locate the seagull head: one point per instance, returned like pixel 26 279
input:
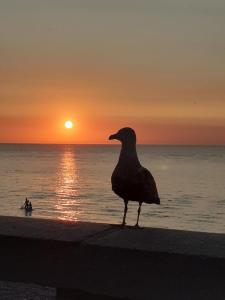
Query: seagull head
pixel 124 135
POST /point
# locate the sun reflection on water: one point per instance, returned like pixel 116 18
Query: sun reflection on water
pixel 67 188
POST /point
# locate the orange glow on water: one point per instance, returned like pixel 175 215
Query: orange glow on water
pixel 67 187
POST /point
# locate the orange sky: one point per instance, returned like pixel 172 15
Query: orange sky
pixel 158 68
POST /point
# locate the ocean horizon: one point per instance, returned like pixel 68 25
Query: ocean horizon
pixel 116 144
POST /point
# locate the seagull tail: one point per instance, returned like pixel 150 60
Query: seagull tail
pixel 157 200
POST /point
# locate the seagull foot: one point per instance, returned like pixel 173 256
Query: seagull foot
pixel 123 224
pixel 136 226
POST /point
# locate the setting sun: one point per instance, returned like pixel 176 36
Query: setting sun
pixel 68 124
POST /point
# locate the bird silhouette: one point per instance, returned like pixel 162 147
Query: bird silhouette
pixel 130 180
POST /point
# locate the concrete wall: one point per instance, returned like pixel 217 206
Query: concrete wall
pixel 105 261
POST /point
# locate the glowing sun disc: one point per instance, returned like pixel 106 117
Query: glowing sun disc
pixel 68 124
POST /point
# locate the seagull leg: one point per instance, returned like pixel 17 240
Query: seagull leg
pixel 139 211
pixel 125 212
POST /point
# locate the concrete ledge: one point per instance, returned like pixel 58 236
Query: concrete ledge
pixel 107 260
pixel 46 229
pixel 164 241
pixel 105 235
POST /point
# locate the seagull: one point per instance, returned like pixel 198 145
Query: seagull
pixel 130 180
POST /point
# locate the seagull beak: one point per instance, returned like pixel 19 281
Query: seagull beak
pixel 113 137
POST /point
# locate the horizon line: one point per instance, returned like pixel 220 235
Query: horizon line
pixel 104 144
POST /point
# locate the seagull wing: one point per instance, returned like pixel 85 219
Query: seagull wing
pixel 148 188
pixel 136 185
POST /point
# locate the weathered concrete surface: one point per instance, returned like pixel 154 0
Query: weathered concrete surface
pixel 165 241
pixel 21 291
pixel 114 262
pixel 45 229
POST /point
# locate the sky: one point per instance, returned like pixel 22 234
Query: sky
pixel 156 66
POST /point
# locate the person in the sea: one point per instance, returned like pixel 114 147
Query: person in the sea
pixel 30 205
pixel 26 203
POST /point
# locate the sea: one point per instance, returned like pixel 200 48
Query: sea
pixel 73 182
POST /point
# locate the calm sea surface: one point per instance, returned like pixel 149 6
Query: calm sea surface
pixel 72 182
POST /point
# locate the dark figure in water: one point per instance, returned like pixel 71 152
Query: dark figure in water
pixel 26 203
pixel 130 180
pixel 30 206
